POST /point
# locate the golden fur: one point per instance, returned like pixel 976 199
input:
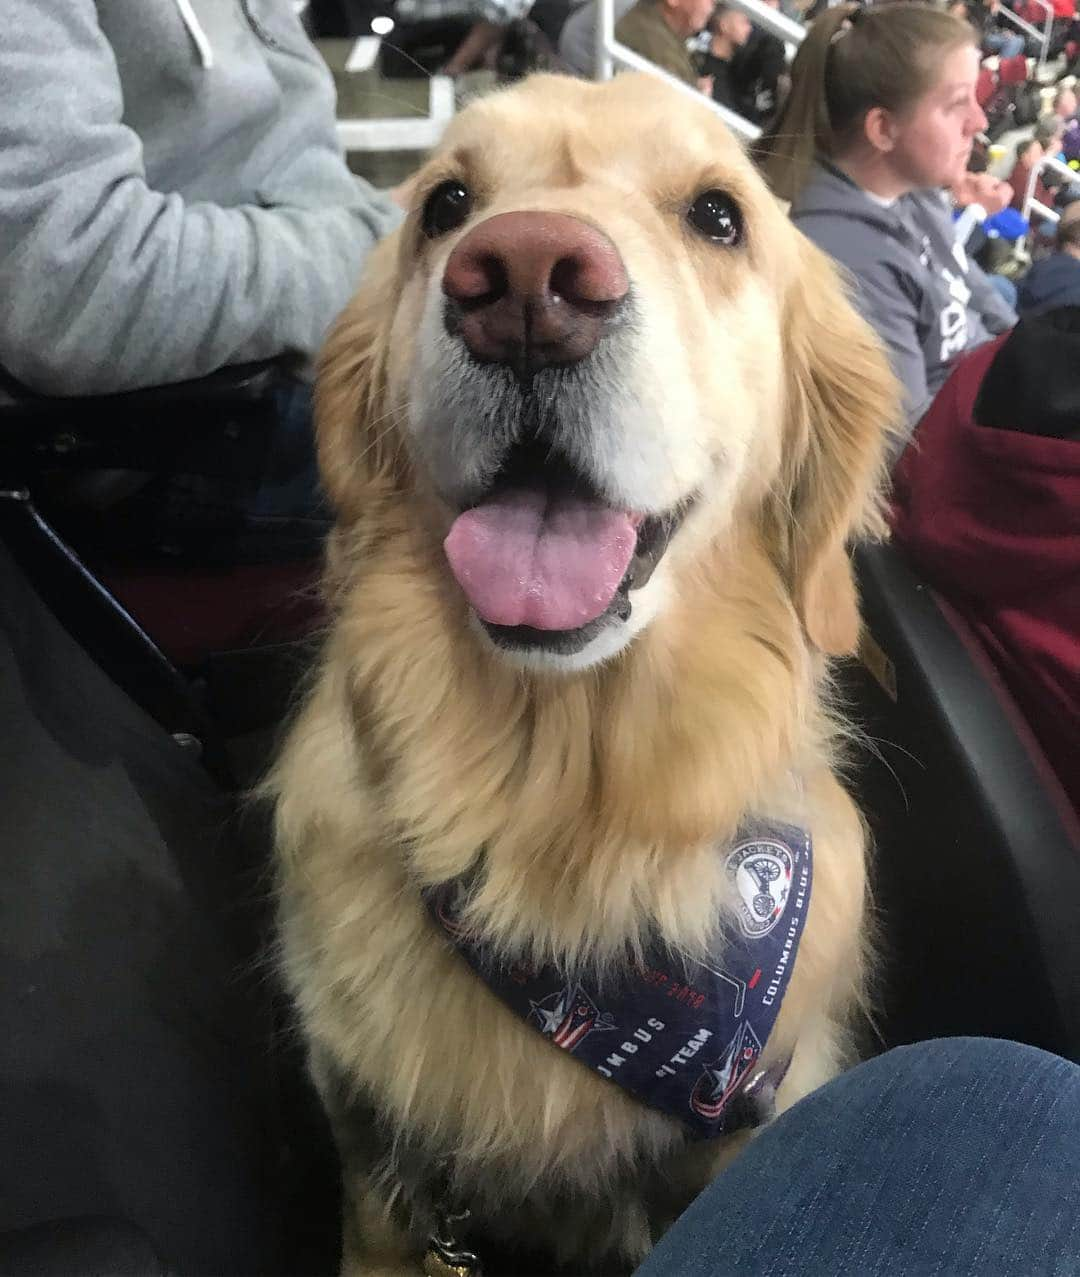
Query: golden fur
pixel 593 800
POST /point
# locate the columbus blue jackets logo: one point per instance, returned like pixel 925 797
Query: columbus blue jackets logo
pixel 761 872
pixel 569 1016
pixel 719 1081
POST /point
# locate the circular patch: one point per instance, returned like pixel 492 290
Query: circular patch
pixel 761 873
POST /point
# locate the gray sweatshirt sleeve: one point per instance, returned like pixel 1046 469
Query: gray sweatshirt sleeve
pixel 894 316
pixel 996 313
pixel 106 284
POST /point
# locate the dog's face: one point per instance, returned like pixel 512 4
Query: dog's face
pixel 602 344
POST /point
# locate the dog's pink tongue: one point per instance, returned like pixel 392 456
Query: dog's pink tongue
pixel 552 563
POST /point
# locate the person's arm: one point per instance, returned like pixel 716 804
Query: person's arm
pixel 888 305
pixel 106 284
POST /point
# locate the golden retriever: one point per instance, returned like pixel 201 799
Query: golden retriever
pixel 598 429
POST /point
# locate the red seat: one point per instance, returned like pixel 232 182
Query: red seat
pixel 1013 70
pixel 194 614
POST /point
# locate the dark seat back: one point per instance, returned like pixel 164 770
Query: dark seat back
pixel 977 860
pixel 217 425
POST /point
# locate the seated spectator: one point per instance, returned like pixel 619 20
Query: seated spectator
pixel 1051 188
pixel 173 199
pixel 1054 281
pixel 659 29
pixel 988 506
pixel 758 69
pixel 1064 28
pixel 880 117
pixel 729 29
pixel 1029 153
pixel 1065 104
pixel 1065 108
pixel 488 20
pixel 982 14
pixel 577 40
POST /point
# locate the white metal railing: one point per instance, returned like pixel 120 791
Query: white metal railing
pixel 1031 204
pixel 392 134
pixel 610 53
pixel 1022 24
pixel 403 133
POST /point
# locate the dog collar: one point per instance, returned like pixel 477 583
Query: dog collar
pixel 681 1035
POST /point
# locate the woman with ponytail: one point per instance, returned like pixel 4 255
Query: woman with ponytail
pixel 880 119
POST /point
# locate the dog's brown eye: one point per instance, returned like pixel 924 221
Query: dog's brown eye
pixel 717 217
pixel 446 209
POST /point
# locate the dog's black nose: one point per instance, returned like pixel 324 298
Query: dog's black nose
pixel 533 289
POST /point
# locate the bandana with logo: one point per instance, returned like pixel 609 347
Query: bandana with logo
pixel 682 1035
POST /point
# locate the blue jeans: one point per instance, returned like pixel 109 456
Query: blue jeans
pixel 954 1157
pixel 1004 44
pixel 1005 289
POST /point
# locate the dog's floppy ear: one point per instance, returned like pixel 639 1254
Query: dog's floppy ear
pixel 842 404
pixel 358 440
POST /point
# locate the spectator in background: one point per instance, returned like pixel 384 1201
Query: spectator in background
pixel 1065 104
pixel 577 40
pixel 988 506
pixel 1065 107
pixel 982 14
pixel 659 29
pixel 173 198
pixel 881 116
pixel 489 22
pixel 1055 280
pixel 729 29
pixel 758 68
pixel 1029 154
pixel 1051 188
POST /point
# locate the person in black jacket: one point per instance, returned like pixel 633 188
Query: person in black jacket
pixel 756 70
pixel 729 29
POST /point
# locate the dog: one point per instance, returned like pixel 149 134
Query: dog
pixel 599 429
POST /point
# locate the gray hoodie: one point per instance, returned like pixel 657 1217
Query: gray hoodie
pixel 911 280
pixel 172 194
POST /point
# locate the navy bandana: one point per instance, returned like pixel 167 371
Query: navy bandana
pixel 682 1036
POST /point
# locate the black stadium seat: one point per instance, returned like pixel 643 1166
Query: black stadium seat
pixel 139 614
pixel 977 852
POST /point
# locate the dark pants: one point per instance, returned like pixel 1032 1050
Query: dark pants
pixel 274 515
pixel 136 1078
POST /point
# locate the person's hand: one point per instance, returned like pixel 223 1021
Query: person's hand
pixel 996 194
pixel 982 188
pixel 705 84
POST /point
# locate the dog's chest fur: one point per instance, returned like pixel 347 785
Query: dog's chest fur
pixel 419 1062
pixel 597 805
